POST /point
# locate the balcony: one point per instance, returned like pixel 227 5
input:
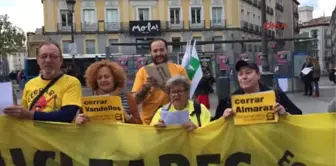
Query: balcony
pixel 112 26
pixel 255 3
pixel 259 5
pixel 89 27
pixel 279 7
pixel 296 14
pixel 244 25
pixel 269 10
pixel 218 24
pixel 175 25
pixel 65 28
pixel 196 25
pixel 257 29
pixel 250 28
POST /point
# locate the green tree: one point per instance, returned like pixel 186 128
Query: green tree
pixel 12 37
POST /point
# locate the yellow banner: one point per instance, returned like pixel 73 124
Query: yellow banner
pixel 307 140
pixel 103 109
pixel 254 108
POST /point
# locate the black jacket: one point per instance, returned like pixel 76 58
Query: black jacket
pixel 281 98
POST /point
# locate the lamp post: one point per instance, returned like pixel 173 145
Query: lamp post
pixel 264 37
pixel 71 10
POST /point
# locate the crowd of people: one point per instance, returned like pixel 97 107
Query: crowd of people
pixel 56 96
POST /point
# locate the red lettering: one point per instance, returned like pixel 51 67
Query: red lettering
pixel 271 25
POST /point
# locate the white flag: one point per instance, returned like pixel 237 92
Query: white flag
pixel 194 70
pixel 186 56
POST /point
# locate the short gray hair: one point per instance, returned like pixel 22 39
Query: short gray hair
pixel 178 80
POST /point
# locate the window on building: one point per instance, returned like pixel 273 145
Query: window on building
pixel 90 46
pixel 114 48
pixel 253 18
pixel 66 20
pixel 314 33
pixel 112 15
pixel 176 47
pixel 217 15
pixel 242 14
pixel 196 15
pixel 89 16
pixel 232 38
pixel 255 48
pixel 175 15
pixel 143 14
pixel 66 47
pixel 248 16
pixel 198 47
pixel 218 47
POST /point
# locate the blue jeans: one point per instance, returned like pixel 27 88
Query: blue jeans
pixel 316 87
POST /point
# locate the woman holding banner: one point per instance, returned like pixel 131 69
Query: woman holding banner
pixel 249 82
pixel 187 113
pixel 109 78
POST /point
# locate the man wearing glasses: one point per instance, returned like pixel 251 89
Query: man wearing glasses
pixel 51 96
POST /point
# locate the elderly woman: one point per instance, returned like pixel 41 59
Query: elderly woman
pixel 178 90
pixel 109 78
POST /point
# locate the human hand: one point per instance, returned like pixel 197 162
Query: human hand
pixel 117 92
pixel 280 110
pixel 19 112
pixel 152 82
pixel 81 119
pixel 128 116
pixel 160 124
pixel 189 126
pixel 228 113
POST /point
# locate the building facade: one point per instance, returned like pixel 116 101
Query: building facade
pixel 319 28
pixel 333 33
pixel 305 14
pixel 98 24
pixel 16 60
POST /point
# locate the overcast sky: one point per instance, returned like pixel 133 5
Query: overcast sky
pixel 28 14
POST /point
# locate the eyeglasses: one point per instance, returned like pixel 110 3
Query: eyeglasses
pixel 45 56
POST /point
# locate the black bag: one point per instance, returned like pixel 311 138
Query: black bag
pixel 51 83
pixel 197 112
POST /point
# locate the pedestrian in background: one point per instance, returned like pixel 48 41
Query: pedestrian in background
pixel 204 88
pixel 307 78
pixel 316 76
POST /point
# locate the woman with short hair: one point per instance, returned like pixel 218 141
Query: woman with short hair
pixel 178 89
pixel 109 78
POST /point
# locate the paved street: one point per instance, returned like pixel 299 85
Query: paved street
pixel 306 104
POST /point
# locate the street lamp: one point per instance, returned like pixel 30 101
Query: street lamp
pixel 71 10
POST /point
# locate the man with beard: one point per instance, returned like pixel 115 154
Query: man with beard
pixel 53 95
pixel 146 89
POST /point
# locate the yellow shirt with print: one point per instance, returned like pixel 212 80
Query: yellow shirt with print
pixel 156 97
pixel 205 116
pixel 66 91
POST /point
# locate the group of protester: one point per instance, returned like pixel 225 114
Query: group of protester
pixel 312 78
pixel 55 96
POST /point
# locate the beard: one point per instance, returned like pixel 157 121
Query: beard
pixel 156 62
pixel 48 73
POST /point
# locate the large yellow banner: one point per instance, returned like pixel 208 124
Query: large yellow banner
pixel 307 140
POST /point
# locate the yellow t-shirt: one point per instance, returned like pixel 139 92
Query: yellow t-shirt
pixel 205 116
pixel 66 91
pixel 156 97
